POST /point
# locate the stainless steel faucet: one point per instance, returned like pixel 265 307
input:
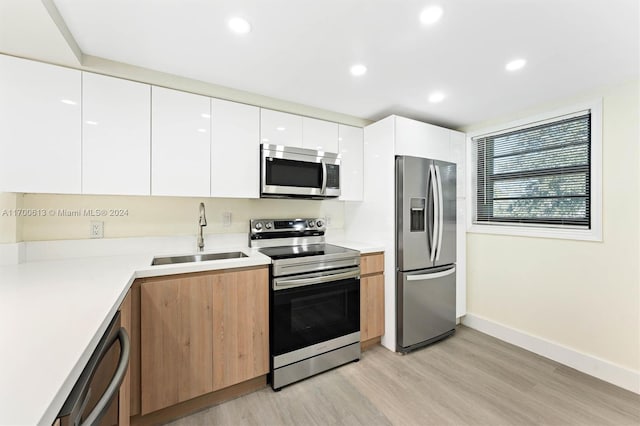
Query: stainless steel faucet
pixel 202 222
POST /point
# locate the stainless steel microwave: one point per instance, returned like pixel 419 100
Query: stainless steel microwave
pixel 288 172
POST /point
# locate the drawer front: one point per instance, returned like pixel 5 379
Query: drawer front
pixel 371 263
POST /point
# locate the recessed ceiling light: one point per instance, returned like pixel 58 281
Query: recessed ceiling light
pixel 67 101
pixel 202 130
pixel 239 25
pixel 436 97
pixel 281 129
pixel 431 15
pixel 358 70
pixel 204 115
pixel 265 139
pixel 93 123
pixel 516 64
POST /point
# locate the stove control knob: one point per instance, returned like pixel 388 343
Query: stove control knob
pixel 258 226
pixel 311 223
pixel 320 223
pixel 267 225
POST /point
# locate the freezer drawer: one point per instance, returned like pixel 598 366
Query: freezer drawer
pixel 426 306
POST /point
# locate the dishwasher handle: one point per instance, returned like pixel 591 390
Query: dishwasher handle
pixel 114 386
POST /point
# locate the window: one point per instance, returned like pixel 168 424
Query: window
pixel 537 178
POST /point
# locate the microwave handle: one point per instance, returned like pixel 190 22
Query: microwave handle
pixel 324 177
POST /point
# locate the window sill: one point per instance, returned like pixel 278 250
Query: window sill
pixel 537 232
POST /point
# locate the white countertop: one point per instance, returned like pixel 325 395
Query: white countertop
pixel 52 315
pixel 363 248
pixel 54 312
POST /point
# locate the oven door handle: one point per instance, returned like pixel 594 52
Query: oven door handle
pixel 284 283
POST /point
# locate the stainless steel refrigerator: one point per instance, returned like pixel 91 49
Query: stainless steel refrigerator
pixel 425 251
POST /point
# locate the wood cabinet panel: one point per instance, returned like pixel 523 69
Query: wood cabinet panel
pixel 371 263
pixel 371 307
pixel 176 341
pixel 200 332
pixel 240 326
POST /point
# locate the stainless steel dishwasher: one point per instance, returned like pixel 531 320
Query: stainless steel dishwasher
pixel 94 398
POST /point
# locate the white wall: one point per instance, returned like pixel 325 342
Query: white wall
pixel 581 295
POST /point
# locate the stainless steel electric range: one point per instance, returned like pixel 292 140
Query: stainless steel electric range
pixel 314 298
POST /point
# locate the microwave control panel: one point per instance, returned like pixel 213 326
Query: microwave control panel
pixel 333 176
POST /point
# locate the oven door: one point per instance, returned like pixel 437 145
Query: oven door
pixel 311 309
pixel 297 172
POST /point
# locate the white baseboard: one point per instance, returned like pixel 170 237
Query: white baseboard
pixel 589 364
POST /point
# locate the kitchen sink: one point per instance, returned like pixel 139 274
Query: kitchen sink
pixel 170 260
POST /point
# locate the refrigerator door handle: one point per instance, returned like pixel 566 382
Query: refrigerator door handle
pixel 441 212
pixel 422 277
pixel 436 213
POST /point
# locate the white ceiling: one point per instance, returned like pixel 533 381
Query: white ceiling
pixel 301 50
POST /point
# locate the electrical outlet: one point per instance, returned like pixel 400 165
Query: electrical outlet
pixel 328 221
pixel 226 219
pixel 96 230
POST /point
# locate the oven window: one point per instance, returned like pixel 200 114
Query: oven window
pixel 307 315
pixel 303 174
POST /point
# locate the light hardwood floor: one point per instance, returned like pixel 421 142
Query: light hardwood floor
pixel 467 379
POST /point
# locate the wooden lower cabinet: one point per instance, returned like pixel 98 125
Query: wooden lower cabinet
pixel 371 296
pixel 371 307
pixel 200 333
pixel 240 327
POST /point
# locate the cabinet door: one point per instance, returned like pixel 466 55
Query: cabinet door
pixel 240 326
pixel 371 307
pixel 235 150
pixel 351 170
pixel 280 128
pixel 459 154
pixel 40 130
pixel 319 135
pixel 422 140
pixel 180 143
pixel 176 341
pixel 116 136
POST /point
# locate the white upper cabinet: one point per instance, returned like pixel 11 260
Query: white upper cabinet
pixel 280 128
pixel 235 150
pixel 459 155
pixel 180 143
pixel 40 137
pixel 422 140
pixel 116 136
pixel 319 135
pixel 351 170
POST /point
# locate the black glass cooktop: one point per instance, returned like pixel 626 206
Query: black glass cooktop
pixel 289 252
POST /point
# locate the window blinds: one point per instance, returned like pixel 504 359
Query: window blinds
pixel 536 175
